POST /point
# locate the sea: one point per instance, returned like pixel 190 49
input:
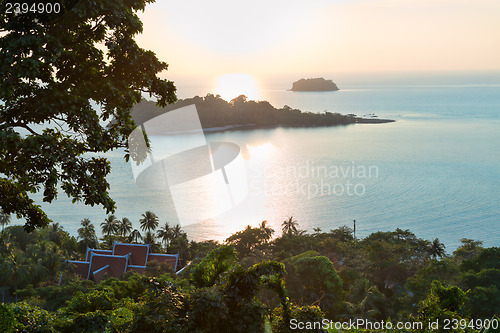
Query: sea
pixel 434 171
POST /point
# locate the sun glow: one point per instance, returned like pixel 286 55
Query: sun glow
pixel 233 85
pixel 261 151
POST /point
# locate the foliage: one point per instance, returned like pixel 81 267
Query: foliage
pixel 468 250
pixel 444 271
pixel 55 297
pixel 487 258
pixel 208 271
pixel 161 309
pixel 215 112
pixel 90 302
pixel 120 320
pixel 364 301
pixel 304 314
pixel 441 304
pixel 245 241
pixel 328 274
pixel 33 319
pixel 481 276
pixel 8 321
pixel 55 67
pixel 149 221
pixel 154 268
pixel 314 280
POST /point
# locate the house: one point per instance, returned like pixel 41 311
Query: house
pixel 123 258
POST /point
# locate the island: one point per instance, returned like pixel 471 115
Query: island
pixel 317 84
pixel 217 114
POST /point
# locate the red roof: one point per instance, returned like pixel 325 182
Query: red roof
pixel 123 258
pixel 117 264
pixel 89 251
pixel 98 275
pixel 81 268
pixel 161 258
pixel 138 252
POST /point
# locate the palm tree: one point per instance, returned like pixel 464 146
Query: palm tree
pixel 149 221
pixel 165 233
pixel 436 249
pixel 124 227
pixel 16 271
pixel 86 229
pixel 110 225
pixel 176 232
pixel 53 259
pixel 87 235
pixel 365 301
pixel 136 235
pixel 149 238
pixel 37 271
pixel 4 219
pixel 54 234
pixel 268 232
pixel 290 227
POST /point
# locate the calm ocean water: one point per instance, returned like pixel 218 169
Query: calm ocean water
pixel 435 171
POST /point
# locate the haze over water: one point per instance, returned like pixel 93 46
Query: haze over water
pixel 437 167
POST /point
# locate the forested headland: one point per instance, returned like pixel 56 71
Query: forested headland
pixel 217 112
pixel 257 280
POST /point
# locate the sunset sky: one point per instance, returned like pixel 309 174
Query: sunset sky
pixel 273 37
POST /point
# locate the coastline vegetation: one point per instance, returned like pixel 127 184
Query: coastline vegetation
pixel 254 281
pixel 217 112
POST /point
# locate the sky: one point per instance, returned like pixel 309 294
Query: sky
pixel 312 37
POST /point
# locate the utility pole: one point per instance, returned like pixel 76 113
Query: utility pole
pixel 354 229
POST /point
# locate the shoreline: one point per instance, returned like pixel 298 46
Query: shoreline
pixel 246 127
pixel 373 121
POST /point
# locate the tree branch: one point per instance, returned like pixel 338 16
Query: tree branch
pixel 22 125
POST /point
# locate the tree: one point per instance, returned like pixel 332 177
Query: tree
pixel 149 238
pixel 15 270
pixel 315 280
pixel 208 271
pixel 69 81
pixel 343 234
pixel 436 249
pixel 4 219
pixel 110 225
pixel 245 241
pixel 149 221
pixel 290 227
pixel 364 301
pixel 164 233
pixel 268 232
pixel 55 233
pixel 135 235
pixel 87 235
pixel 443 303
pixel 176 232
pixel 124 226
pixel 468 250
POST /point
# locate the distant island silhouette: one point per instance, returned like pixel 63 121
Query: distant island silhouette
pixel 317 84
pixel 217 114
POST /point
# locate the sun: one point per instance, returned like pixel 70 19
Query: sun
pixel 233 85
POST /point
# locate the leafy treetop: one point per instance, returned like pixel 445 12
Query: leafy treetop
pixel 65 76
